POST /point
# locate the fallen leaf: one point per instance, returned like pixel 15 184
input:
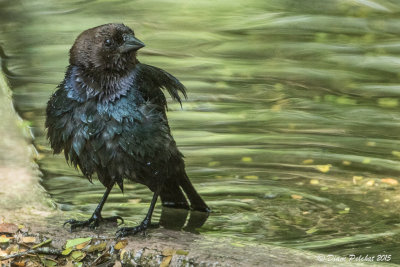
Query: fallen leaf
pixel 117 264
pixel 12 249
pixel 97 247
pixel 48 262
pixel 166 261
pixel 18 263
pixel 247 159
pixel 346 163
pixel 314 181
pixel 370 183
pixel 296 197
pixel 308 161
pixel 82 245
pixel 29 239
pixel 366 161
pixel 396 153
pixel 121 244
pixel 370 143
pixel 77 241
pixel 3 253
pixel 4 239
pixel 8 228
pixel 251 177
pixel 77 255
pixel 323 168
pixel 357 178
pixel 345 211
pixel 390 181
pixel 67 251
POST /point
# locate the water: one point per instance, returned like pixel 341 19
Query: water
pixel 291 128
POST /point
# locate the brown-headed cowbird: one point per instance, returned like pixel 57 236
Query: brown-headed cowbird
pixel 109 117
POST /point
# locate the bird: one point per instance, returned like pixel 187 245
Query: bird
pixel 108 116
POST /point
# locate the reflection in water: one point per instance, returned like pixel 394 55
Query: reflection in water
pixel 291 130
pixel 176 219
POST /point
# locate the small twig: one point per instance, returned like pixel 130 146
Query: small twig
pixel 48 251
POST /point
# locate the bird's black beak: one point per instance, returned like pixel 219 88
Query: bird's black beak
pixel 131 43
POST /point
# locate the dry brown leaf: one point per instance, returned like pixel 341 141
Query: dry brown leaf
pixel 8 228
pixel 82 245
pixel 29 239
pixel 117 264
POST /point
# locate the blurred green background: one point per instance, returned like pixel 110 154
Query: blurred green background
pixel 291 130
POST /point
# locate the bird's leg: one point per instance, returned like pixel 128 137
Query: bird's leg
pixel 146 223
pixel 96 218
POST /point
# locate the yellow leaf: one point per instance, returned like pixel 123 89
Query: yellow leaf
pixel 247 159
pixel 346 162
pixel 121 244
pixel 251 177
pixel 366 161
pixel 396 153
pixel 236 244
pixel 166 261
pixel 314 181
pixel 324 168
pixel 296 197
pixel 357 178
pixel 308 161
pixel 371 143
pixel 370 183
pixel 4 239
pixel 389 181
pixel 312 230
pixel 67 251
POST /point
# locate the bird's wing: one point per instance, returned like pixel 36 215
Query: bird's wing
pixel 155 79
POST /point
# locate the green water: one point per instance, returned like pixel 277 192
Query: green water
pixel 291 129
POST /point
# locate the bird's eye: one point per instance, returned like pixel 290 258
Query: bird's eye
pixel 107 42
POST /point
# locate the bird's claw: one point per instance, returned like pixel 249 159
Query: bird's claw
pixel 125 231
pixel 93 222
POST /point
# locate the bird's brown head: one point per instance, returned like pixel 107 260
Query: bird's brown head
pixel 109 48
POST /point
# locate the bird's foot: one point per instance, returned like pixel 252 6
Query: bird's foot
pixel 93 222
pixel 141 228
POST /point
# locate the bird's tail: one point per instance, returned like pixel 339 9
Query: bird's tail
pixel 172 195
